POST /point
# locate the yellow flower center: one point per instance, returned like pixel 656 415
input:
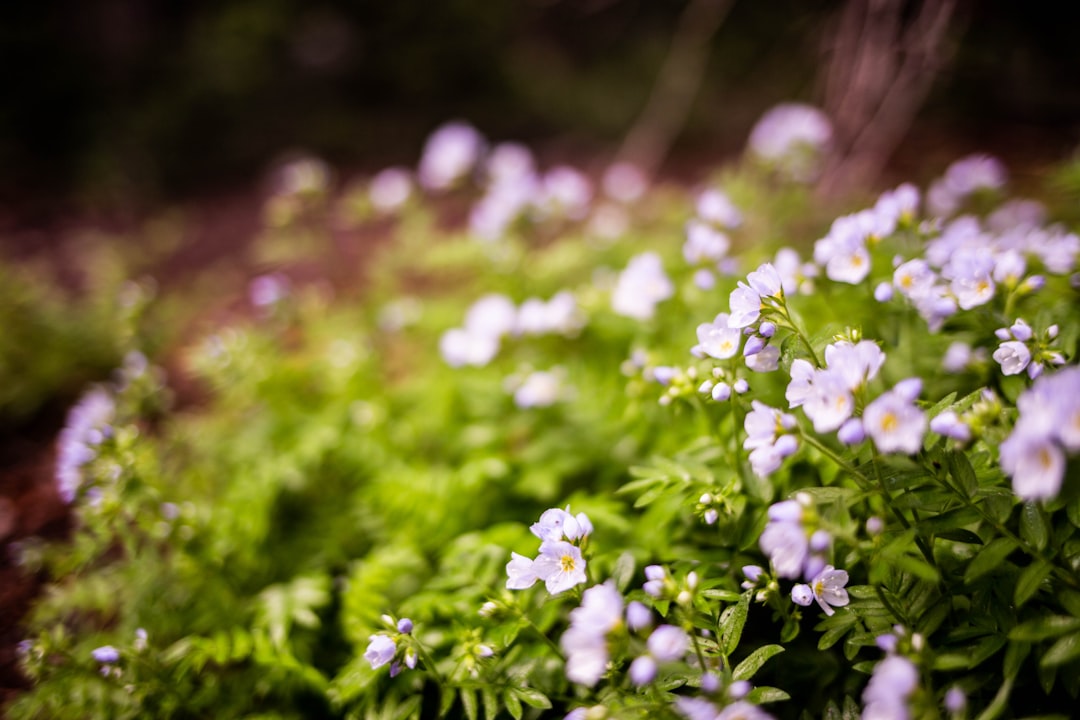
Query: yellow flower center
pixel 567 563
pixel 889 422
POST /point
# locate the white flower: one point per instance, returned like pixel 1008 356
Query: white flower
pixel 1013 356
pixel 714 206
pixel 560 566
pixel 704 243
pixel 894 422
pixel 390 189
pixel 520 573
pixel 767 360
pixel 829 590
pixel 885 698
pixel 717 340
pixel 640 287
pixel 542 388
pixel 450 153
pixel 792 137
pixel 585 641
pixel 745 305
pixel 668 642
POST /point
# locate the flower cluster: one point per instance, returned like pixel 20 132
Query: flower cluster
pixel 585 642
pixel 1021 349
pixel 88 423
pixel 495 316
pixel 389 648
pixel 1048 427
pixel 641 287
pixel 560 563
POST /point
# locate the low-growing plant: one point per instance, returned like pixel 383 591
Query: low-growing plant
pixel 623 472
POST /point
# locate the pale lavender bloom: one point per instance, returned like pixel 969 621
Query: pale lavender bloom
pixel 754 345
pixel 638 616
pixel 579 713
pixel 520 573
pixel 851 432
pixel 380 650
pixel 1009 267
pixel 767 448
pixel 949 424
pixel 829 590
pixel 642 671
pixel 704 243
pixel 894 680
pixel 745 303
pixel 560 565
pixel 767 360
pixel 914 278
pixel 714 206
pixel 625 182
pixel 88 424
pixel 958 357
pixel 390 189
pixel 1020 330
pixel 800 387
pixel 305 175
pixel 741 386
pixel 484 651
pixel 704 279
pixel 721 392
pixel 955 700
pixel 717 340
pixel 556 523
pixel 510 163
pixel 795 275
pixel 766 281
pixel 903 202
pixel 405 625
pixel 106 654
pixel 493 315
pixel 460 347
pixel 693 708
pixel 566 192
pixel 1013 356
pixel 883 292
pixel 542 388
pixel 640 287
pixel 975 172
pixel 267 290
pixel 802 595
pixel 829 402
pixel 585 642
pixel 894 422
pixel 668 642
pixel 742 710
pixel 787 546
pixel 1034 461
pixel 792 137
pixel 450 153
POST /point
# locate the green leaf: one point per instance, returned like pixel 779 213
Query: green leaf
pixel 731 624
pixel 513 705
pixel 753 662
pixel 468 701
pixel 1033 526
pixel 918 567
pixel 1030 579
pixel 623 572
pixel 1062 651
pixel 989 558
pixel 1044 627
pixel 962 472
pixel 961 535
pixel 761 695
pixel 1015 655
pixel 491 702
pixel 999 702
pixel 533 697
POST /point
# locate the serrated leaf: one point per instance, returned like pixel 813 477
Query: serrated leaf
pixel 989 558
pixel 533 697
pixel 1030 579
pixel 1062 651
pixel 753 662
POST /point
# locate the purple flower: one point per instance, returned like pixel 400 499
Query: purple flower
pixel 668 642
pixel 559 565
pixel 380 650
pixel 828 588
pixel 106 654
pixel 894 422
pixel 643 670
pixel 88 424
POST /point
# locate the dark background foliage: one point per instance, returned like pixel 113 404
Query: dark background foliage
pixel 108 99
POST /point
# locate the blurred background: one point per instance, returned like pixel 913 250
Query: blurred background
pixel 112 105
